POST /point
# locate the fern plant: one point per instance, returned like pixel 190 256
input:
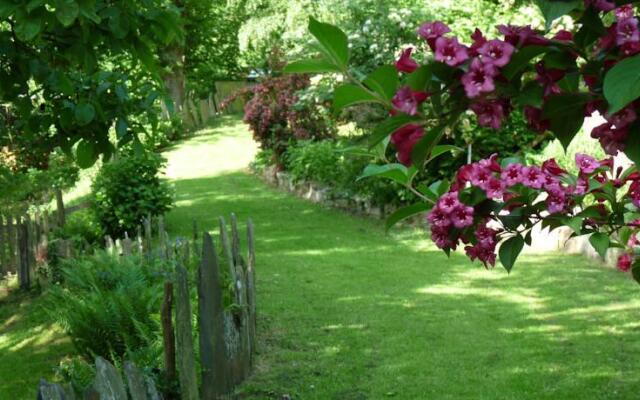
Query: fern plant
pixel 109 306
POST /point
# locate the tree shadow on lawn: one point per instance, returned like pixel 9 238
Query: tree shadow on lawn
pixel 31 345
pixel 347 312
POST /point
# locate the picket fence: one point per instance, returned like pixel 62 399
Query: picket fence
pixel 227 335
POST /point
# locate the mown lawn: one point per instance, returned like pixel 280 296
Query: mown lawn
pixel 347 312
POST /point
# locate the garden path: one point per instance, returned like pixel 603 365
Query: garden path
pixel 348 312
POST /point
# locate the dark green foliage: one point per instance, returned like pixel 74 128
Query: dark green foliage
pixel 129 189
pixel 109 305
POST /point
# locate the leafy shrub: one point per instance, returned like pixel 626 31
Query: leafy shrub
pixel 127 190
pixel 277 117
pixel 109 306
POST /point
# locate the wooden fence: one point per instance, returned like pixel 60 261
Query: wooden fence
pixel 227 335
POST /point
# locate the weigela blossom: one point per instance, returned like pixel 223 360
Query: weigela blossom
pixel 479 78
pixel 520 36
pixel 405 63
pixel 624 262
pixel 496 52
pixel 450 51
pixel 490 113
pixel 627 31
pixel 407 100
pixel 586 164
pixel 430 31
pixel 404 139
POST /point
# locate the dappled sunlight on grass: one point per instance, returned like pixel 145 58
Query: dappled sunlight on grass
pixel 347 311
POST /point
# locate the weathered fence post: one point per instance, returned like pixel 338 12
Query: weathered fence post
pixel 13 243
pixel 185 350
pixel 147 237
pixel 168 334
pixel 213 355
pixel 4 260
pixel 235 240
pixel 60 208
pixel 51 391
pixel 127 245
pixel 251 289
pixel 108 382
pixel 23 255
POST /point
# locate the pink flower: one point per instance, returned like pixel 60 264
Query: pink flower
pixel 622 118
pixel 404 139
pixel 480 176
pixel 484 249
pixel 490 113
pixel 563 36
pixel 627 31
pixel 520 36
pixel 586 164
pixel 407 101
pixel 534 119
pixel 548 78
pixel 494 188
pixel 450 52
pixel 624 12
pixel 430 31
pixel 496 52
pixel 405 63
pixel 624 262
pixel 630 48
pixel 479 78
pixel 512 174
pixel 491 163
pixel 555 203
pixel 634 193
pixel 439 218
pixel 611 139
pixel 478 41
pixel 533 177
pixel 462 217
pixel 552 168
pixel 449 202
pixel 600 5
pixel 441 238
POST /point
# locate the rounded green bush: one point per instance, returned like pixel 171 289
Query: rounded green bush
pixel 127 190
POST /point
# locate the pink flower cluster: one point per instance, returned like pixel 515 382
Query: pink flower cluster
pixel 453 221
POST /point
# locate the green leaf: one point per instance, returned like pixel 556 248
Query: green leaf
pixel 635 270
pixel 348 95
pixel 521 59
pixel 566 114
pixel 396 172
pixel 554 9
pixel 574 223
pixel 67 11
pixel 383 81
pixel 333 42
pixel 600 243
pixel 622 83
pixel 28 27
pixel 420 78
pixel 388 126
pixel 86 154
pixel 121 127
pixel 632 145
pixel 530 95
pixel 423 148
pixel 7 7
pixel 84 113
pixel 510 250
pixel 311 66
pixel 406 212
pixel 443 149
pixel 591 29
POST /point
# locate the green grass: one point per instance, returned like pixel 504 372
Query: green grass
pixel 31 345
pixel 347 312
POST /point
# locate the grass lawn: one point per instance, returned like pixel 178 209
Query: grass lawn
pixel 31 346
pixel 347 312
